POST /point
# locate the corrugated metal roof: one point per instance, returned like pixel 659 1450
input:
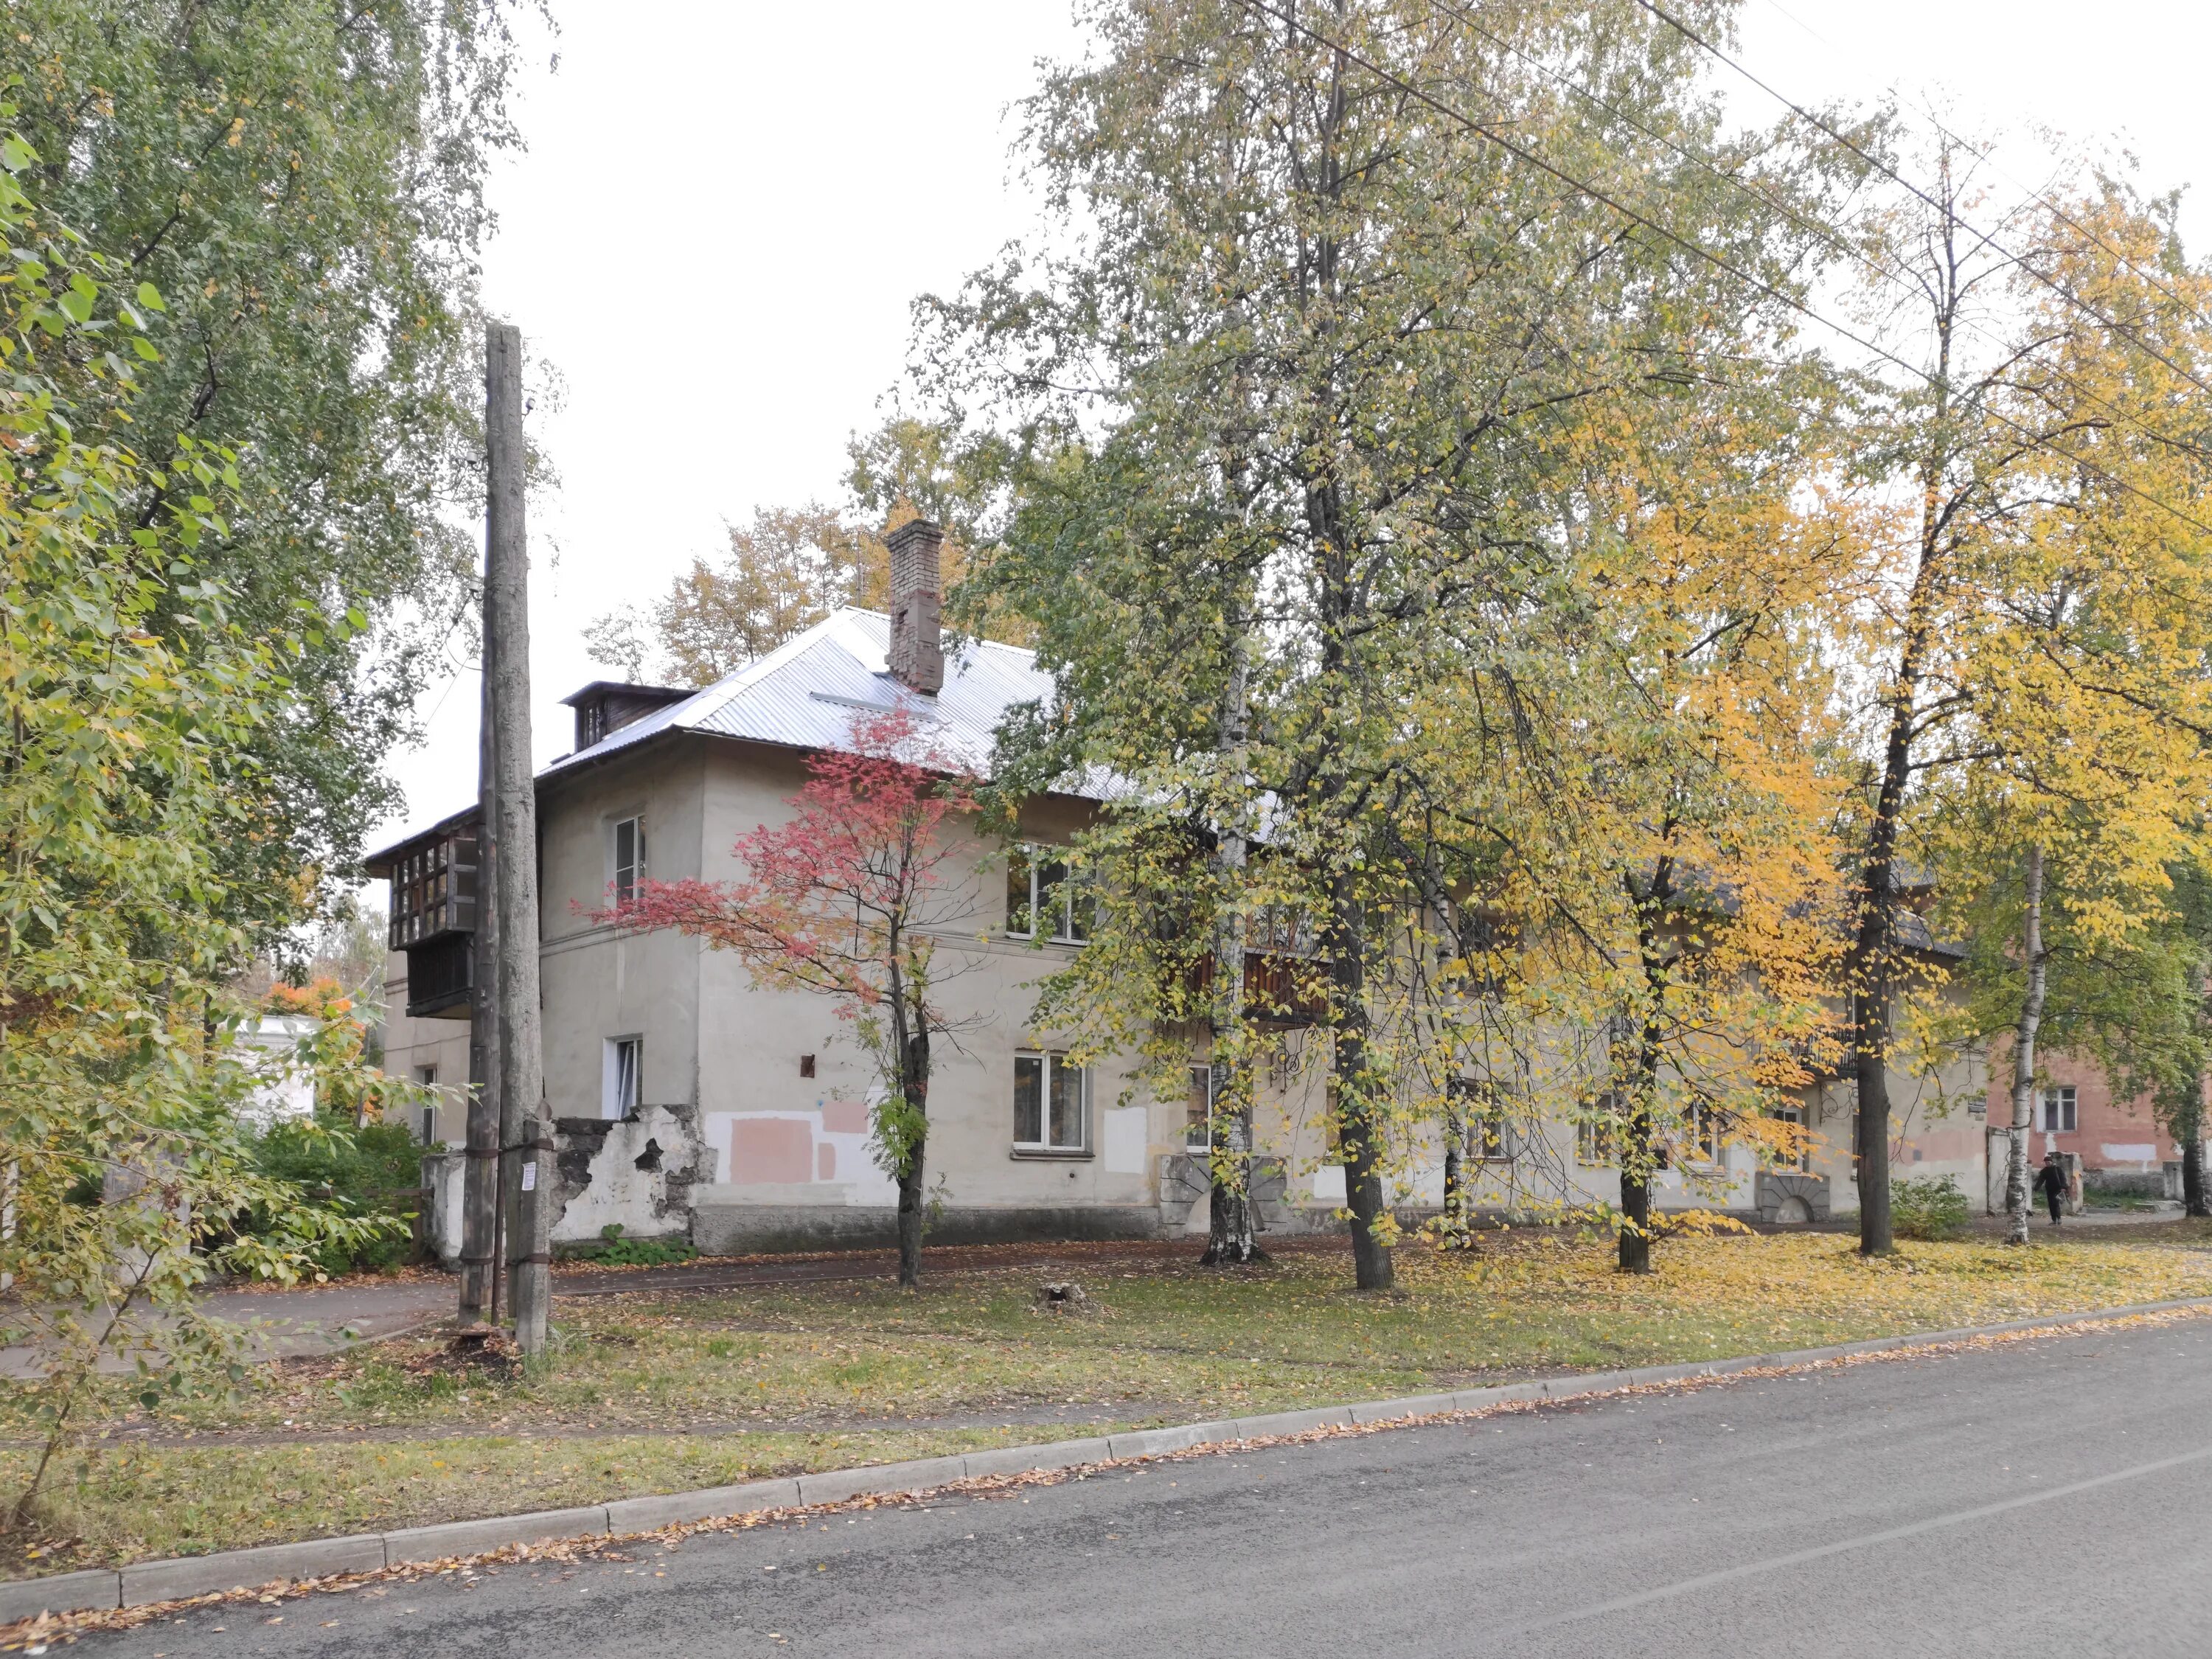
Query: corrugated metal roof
pixel 804 695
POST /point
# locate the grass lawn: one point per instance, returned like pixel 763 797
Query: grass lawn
pixel 660 1392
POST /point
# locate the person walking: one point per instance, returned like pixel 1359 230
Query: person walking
pixel 2050 1182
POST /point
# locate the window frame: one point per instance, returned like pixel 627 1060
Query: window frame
pixel 1072 902
pixel 1201 1075
pixel 425 1125
pixel 613 1075
pixel 1051 1063
pixel 1802 1164
pixel 1485 1121
pixel 2061 1112
pixel 1702 1145
pixel 634 822
pixel 1594 1145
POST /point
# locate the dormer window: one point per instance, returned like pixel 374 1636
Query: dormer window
pixel 604 707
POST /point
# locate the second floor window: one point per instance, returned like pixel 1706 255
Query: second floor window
pixel 2058 1110
pixel 1044 899
pixel 630 858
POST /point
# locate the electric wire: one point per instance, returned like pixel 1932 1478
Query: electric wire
pixel 1989 238
pixel 1696 250
pixel 1803 220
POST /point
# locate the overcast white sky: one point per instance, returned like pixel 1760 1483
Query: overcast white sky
pixel 726 209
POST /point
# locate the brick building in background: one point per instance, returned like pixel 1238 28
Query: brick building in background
pixel 2120 1142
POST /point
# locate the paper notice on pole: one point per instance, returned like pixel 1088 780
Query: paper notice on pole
pixel 530 1177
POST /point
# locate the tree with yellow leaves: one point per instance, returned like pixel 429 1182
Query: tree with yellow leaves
pixel 2035 638
pixel 2085 776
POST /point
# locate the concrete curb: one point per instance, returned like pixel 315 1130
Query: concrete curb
pixel 202 1575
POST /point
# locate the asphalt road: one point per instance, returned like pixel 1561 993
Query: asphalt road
pixel 2053 1495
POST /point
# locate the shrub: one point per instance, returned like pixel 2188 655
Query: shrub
pixel 620 1252
pixel 1927 1206
pixel 373 1171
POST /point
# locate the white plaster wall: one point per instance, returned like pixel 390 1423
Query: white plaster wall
pixel 622 1195
pixel 751 1041
pixel 597 983
pixel 1934 1128
pixel 411 1043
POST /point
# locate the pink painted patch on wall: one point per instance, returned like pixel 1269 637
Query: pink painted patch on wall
pixel 771 1150
pixel 825 1156
pixel 844 1117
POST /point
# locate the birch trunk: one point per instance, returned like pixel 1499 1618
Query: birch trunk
pixel 1231 1234
pixel 2023 1056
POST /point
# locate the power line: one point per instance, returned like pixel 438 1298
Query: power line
pixel 1989 238
pixel 1694 249
pixel 1783 205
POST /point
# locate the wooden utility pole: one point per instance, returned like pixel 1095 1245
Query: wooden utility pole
pixel 525 1144
pixel 480 1178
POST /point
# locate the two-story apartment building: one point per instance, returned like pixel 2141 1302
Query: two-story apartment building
pixel 687 1100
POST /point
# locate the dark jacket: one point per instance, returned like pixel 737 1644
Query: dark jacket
pixel 2051 1181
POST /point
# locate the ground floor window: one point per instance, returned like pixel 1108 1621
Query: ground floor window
pixel 1198 1112
pixel 1480 1106
pixel 2058 1114
pixel 1594 1131
pixel 1052 1104
pixel 428 1077
pixel 621 1086
pixel 1803 1161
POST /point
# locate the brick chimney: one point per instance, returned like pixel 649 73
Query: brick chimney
pixel 917 653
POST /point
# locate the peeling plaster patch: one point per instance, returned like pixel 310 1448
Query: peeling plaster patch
pixel 636 1172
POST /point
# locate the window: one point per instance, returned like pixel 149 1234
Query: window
pixel 1044 899
pixel 434 891
pixel 428 1077
pixel 1282 930
pixel 1479 1106
pixel 1701 1134
pixel 1795 1115
pixel 1052 1100
pixel 1198 1115
pixel 630 858
pixel 622 1089
pixel 2058 1110
pixel 1594 1131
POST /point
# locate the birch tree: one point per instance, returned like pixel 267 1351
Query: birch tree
pixel 2041 704
pixel 1334 289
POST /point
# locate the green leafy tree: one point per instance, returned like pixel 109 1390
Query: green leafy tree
pixel 1298 397
pixel 131 699
pixel 303 184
